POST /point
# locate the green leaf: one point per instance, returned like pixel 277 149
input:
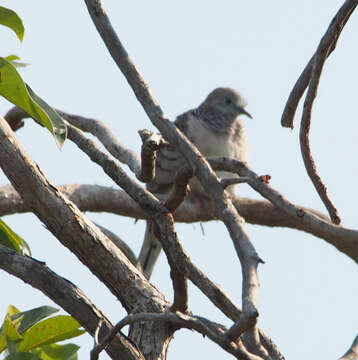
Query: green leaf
pixel 13 88
pixel 9 328
pixel 11 345
pixel 10 19
pixel 22 356
pixel 50 331
pixel 59 352
pixel 31 317
pixel 12 240
pixel 59 126
pixel 13 59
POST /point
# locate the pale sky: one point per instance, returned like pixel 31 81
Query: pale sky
pixel 309 291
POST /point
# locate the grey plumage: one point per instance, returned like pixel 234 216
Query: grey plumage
pixel 216 130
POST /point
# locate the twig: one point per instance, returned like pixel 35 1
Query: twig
pixel 303 80
pixel 15 117
pixel 307 218
pixel 352 352
pixel 180 188
pixel 330 37
pixel 213 331
pixel 109 140
pixel 180 286
pixel 314 68
pixel 232 181
pixel 96 333
pixel 151 143
pixel 95 127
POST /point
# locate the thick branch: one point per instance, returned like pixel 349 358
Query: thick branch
pixel 177 257
pixel 72 228
pixel 68 296
pixel 213 331
pixel 97 198
pixel 223 206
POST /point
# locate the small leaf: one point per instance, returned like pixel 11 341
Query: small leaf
pixel 9 328
pixel 59 126
pixel 13 88
pixel 10 19
pixel 50 331
pixel 13 59
pixel 59 352
pixel 10 239
pixel 31 317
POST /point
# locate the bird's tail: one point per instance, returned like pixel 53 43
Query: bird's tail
pixel 150 250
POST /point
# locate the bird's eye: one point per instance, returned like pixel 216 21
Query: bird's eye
pixel 228 101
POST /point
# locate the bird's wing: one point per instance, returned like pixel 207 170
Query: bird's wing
pixel 169 160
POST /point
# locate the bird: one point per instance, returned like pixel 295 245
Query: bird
pixel 216 129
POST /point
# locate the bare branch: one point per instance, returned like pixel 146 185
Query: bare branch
pixel 97 198
pixel 180 189
pixel 330 38
pixel 352 353
pixel 68 296
pixel 213 331
pixel 180 287
pixel 72 228
pixel 95 127
pixel 151 143
pixel 332 233
pixel 310 77
pixel 232 181
pixel 15 117
pixel 223 206
pixel 176 256
pixel 303 81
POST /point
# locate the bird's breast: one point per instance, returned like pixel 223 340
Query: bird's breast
pixel 210 143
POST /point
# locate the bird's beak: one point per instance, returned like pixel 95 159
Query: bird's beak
pixel 243 111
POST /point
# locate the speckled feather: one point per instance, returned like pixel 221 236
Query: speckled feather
pixel 214 131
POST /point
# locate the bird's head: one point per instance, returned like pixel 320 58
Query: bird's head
pixel 227 101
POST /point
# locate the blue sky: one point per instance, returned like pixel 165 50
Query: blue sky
pixel 184 50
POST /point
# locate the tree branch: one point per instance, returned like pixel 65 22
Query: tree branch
pixel 177 257
pixel 352 353
pixel 96 198
pixel 95 127
pixel 313 72
pixel 214 332
pixel 69 297
pixel 344 240
pixel 303 80
pixel 223 206
pixel 78 234
pixel 330 38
